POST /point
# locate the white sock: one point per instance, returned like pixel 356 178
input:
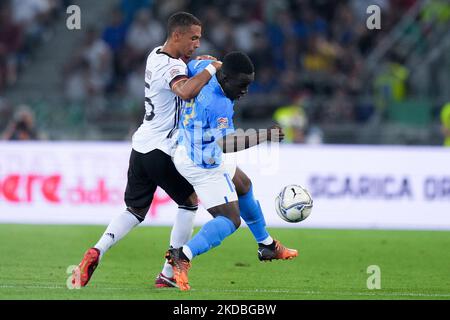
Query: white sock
pixel 187 251
pixel 116 230
pixel 182 230
pixel 267 241
pixel 183 227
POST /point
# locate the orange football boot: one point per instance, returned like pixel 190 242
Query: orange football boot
pixel 180 266
pixel 276 251
pixel 86 267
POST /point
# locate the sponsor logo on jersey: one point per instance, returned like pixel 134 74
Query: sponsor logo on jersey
pixel 222 123
pixel 148 74
pixel 174 72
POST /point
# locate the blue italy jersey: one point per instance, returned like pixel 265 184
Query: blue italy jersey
pixel 205 119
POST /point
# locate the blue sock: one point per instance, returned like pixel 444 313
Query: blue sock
pixel 252 214
pixel 211 235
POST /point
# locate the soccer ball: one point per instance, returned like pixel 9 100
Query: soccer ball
pixel 293 203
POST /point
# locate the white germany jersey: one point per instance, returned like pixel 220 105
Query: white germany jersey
pixel 162 106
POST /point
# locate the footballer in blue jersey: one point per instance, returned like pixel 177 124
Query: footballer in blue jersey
pixel 206 119
pixel 206 132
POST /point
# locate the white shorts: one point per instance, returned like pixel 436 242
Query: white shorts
pixel 213 186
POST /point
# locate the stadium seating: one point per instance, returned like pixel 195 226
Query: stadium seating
pixel 305 50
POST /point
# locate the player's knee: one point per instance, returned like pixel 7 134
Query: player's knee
pixel 191 201
pixel 246 184
pixel 229 211
pixel 139 213
pixel 236 221
pixel 242 183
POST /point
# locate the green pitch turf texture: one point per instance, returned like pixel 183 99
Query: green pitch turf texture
pixel 332 265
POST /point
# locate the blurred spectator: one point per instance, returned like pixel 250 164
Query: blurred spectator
pixel 343 26
pixel 23 25
pixel 262 55
pixel 30 13
pixel 92 63
pixel 167 8
pixel 99 57
pixel 279 33
pixel 265 81
pixel 445 124
pixel 22 126
pixel 390 83
pixel 291 56
pixel 11 41
pixel 245 33
pixel 272 8
pixel 437 9
pixel 293 120
pixel 134 82
pixel 114 34
pixel 310 24
pixel 130 7
pixel 77 82
pixel 213 20
pixel 289 84
pixel 320 55
pixel 338 109
pixel 364 110
pixel 34 16
pixel 145 33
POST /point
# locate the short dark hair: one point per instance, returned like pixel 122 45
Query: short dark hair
pixel 237 62
pixel 181 20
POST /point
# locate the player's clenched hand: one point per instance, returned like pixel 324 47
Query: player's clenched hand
pixel 217 65
pixel 206 57
pixel 275 134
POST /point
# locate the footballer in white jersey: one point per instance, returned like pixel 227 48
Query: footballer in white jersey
pixel 150 166
pixel 162 105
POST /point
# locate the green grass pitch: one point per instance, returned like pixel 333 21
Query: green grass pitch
pixel 332 264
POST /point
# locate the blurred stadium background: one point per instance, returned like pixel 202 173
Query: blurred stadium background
pixel 366 113
pixel 319 70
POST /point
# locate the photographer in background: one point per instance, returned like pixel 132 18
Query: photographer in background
pixel 22 126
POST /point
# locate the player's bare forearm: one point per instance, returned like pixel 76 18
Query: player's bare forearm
pixel 236 142
pixel 188 89
pixel 239 142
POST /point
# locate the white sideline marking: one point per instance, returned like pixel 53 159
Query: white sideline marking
pixel 306 292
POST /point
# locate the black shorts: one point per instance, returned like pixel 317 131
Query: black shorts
pixel 149 170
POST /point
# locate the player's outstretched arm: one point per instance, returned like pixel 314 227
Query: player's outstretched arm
pixel 237 142
pixel 188 89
